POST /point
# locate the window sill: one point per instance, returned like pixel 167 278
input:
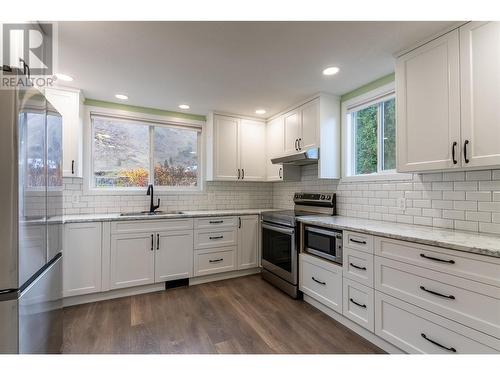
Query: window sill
pixel 378 177
pixel 140 191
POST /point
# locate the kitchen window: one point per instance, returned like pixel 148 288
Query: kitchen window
pixel 128 154
pixel 369 141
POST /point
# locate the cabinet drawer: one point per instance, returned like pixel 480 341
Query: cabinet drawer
pixel 204 239
pixel 358 266
pixel 470 266
pixel 215 222
pixel 358 303
pixel 206 263
pixel 358 241
pixel 468 302
pixel 150 226
pixel 321 281
pixel 405 326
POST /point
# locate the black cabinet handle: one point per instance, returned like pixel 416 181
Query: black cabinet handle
pixel 296 147
pixel 436 293
pixel 465 150
pixel 239 222
pixel 152 242
pixel 437 259
pixel 450 349
pixel 216 237
pixel 453 149
pixel 298 143
pixel 239 174
pixel 280 173
pixel 157 241
pixel 242 173
pixel 358 267
pixel 357 303
pixel 216 221
pixel 319 282
pixel 215 260
pixel 357 241
pixel 72 167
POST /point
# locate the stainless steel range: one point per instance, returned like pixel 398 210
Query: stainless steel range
pixel 280 239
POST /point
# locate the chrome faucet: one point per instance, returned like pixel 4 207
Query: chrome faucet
pixel 152 206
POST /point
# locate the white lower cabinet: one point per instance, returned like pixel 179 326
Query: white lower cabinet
pixel 82 258
pixel 132 260
pixel 248 241
pixel 321 280
pixel 358 304
pixel 174 255
pixel 415 330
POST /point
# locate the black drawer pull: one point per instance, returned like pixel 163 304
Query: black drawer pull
pixel 319 282
pixel 358 267
pixel 437 259
pixel 453 147
pixel 436 293
pixel 216 221
pixel 450 349
pixel 215 260
pixel 465 151
pixel 216 237
pixel 152 242
pixel 357 241
pixel 357 303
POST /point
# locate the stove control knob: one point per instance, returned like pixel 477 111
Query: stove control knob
pixel 322 197
pixel 328 197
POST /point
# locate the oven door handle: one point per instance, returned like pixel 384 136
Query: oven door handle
pixel 290 231
pixel 323 231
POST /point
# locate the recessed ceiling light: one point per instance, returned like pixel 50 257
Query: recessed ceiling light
pixel 260 111
pixel 64 77
pixel 121 96
pixel 330 71
pixel 184 106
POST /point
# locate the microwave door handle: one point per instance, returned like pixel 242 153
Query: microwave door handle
pixel 278 229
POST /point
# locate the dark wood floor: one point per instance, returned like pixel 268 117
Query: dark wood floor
pixel 243 315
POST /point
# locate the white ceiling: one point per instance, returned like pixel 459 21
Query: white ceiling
pixel 229 66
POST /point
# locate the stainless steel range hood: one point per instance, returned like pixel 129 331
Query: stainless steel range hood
pixel 306 157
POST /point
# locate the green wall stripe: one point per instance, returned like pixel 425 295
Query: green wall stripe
pixel 368 87
pixel 146 110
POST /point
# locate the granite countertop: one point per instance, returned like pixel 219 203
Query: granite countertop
pixel 185 214
pixel 471 242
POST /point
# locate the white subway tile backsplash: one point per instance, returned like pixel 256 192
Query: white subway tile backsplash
pixel 478 175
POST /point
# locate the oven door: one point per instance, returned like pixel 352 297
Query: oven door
pixel 279 251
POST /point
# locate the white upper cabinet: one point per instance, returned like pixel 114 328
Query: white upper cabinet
pixel 291 131
pixel 226 159
pixel 274 147
pixel 69 103
pixel 252 150
pixel 428 106
pixel 309 125
pixel 480 89
pixel 448 92
pixel 236 149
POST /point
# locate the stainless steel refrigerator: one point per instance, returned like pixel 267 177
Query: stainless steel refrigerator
pixel 31 201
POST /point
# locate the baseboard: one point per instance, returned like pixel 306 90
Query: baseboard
pixel 126 292
pixel 223 276
pixel 370 336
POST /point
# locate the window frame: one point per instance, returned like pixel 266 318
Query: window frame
pixel 153 121
pixel 375 96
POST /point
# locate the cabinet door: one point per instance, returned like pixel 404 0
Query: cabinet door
pixel 132 260
pixel 252 150
pixel 291 131
pixel 274 147
pixel 309 125
pixel 248 241
pixel 226 151
pixel 68 105
pixel 81 259
pixel 480 85
pixel 174 255
pixel 428 106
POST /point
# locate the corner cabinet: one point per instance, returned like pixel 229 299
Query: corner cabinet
pixel 447 93
pixel 69 103
pixel 236 149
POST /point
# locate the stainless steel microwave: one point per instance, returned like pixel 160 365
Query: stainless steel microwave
pixel 324 243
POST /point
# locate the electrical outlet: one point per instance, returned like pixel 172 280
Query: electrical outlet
pixel 75 198
pixel 402 204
